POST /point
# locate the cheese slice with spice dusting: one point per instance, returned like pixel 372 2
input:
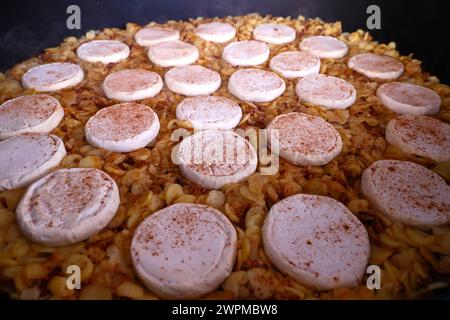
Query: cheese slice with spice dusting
pixel 213 158
pixel 132 84
pixel 274 33
pixel 376 66
pixel 407 192
pixel 216 32
pixel 152 35
pixel 209 112
pixel 326 91
pixel 104 51
pixel 324 47
pixel 246 53
pixel 295 64
pixel 53 76
pixel 27 157
pixel 184 251
pixel 407 98
pixel 304 139
pixel 193 80
pixel 123 127
pixel 38 113
pixel 173 53
pixel 256 85
pixel 317 241
pixel 421 135
pixel 67 206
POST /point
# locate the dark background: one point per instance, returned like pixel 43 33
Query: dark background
pixel 419 27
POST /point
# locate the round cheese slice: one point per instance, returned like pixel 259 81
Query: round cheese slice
pixel 326 91
pixel 173 53
pixel 132 84
pixel 53 76
pixel 274 33
pixel 407 98
pixel 209 112
pixel 216 32
pixel 376 66
pixel 67 206
pixel 184 251
pixel 246 53
pixel 28 157
pixel 149 36
pixel 123 127
pixel 304 140
pixel 407 192
pixel 193 80
pixel 325 47
pixel 295 64
pixel 104 51
pixel 38 113
pixel 421 135
pixel 213 158
pixel 256 85
pixel 317 241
